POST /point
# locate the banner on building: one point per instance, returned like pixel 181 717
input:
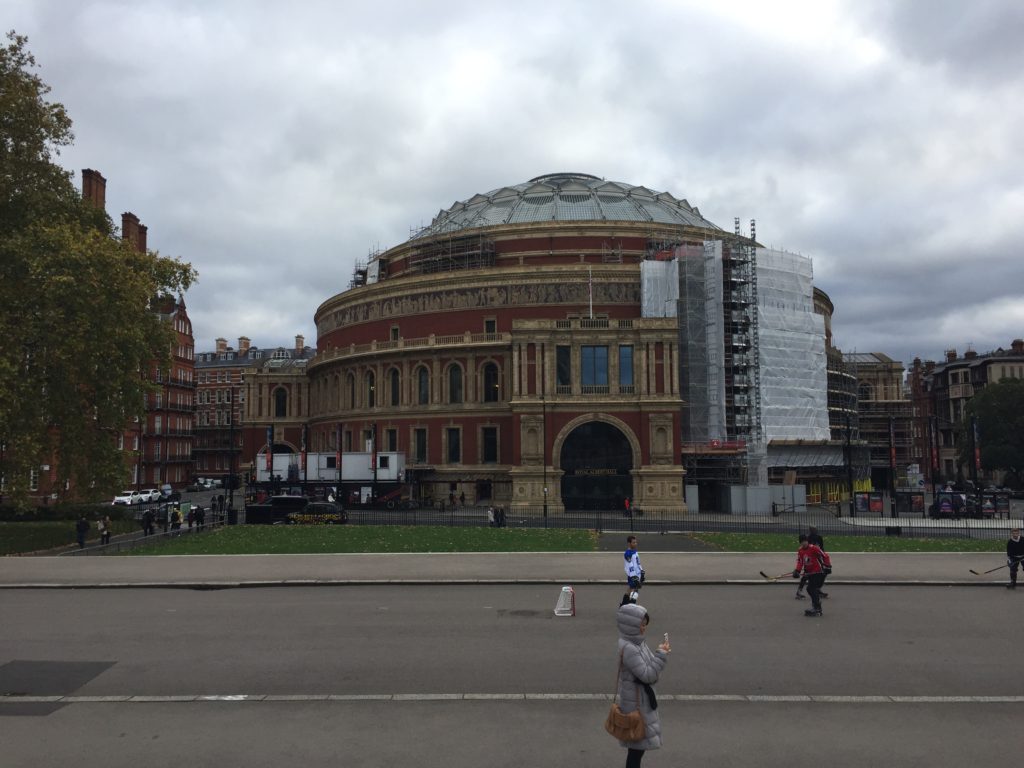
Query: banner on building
pixel 337 444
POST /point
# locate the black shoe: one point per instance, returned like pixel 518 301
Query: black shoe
pixel 824 595
pixel 801 596
pixel 813 612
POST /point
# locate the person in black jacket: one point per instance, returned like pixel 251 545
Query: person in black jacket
pixel 1014 555
pixel 82 528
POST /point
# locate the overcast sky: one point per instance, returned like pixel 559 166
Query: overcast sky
pixel 273 144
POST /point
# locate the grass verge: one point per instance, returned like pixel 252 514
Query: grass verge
pixel 16 538
pixel 314 539
pixel 784 542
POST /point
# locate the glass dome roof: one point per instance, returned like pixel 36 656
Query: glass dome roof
pixel 565 197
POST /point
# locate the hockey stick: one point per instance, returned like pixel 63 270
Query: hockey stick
pixel 776 578
pixel 992 570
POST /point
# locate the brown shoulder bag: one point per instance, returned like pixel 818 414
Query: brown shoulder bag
pixel 624 726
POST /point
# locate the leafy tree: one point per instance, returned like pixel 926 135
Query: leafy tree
pixel 79 336
pixel 999 409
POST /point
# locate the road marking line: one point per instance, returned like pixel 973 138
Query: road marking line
pixel 709 698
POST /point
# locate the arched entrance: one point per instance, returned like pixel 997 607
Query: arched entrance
pixel 596 459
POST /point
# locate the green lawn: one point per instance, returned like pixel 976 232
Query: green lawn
pixel 279 539
pixel 34 537
pixel 301 539
pixel 781 542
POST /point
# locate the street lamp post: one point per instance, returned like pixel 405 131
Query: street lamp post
pixel 892 466
pixel 849 466
pixel 544 452
pixel 231 450
pixel 373 459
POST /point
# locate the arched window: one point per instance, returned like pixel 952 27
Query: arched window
pixel 371 387
pixel 491 389
pixel 396 391
pixel 350 383
pixel 454 384
pixel 422 386
pixel 280 403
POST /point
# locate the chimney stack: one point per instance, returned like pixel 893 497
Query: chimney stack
pixel 222 345
pixel 243 344
pixel 130 229
pixel 141 245
pixel 950 355
pixel 970 354
pixel 94 188
pixel 300 343
pixel 1017 345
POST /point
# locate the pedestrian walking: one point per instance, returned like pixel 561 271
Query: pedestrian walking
pixel 201 518
pixel 106 529
pixel 490 517
pixel 639 670
pixel 147 522
pixel 1014 555
pixel 815 538
pixel 635 575
pixel 625 507
pixel 81 529
pixel 462 499
pixel 812 560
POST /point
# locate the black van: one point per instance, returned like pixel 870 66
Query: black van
pixel 275 510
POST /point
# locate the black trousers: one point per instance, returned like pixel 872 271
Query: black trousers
pixel 814 583
pixel 1013 571
pixel 633 758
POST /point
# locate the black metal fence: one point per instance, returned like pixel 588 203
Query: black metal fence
pixel 792 522
pixel 130 541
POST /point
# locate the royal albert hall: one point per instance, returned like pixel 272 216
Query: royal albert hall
pixel 503 350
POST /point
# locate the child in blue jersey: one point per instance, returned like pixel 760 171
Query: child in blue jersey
pixel 634 573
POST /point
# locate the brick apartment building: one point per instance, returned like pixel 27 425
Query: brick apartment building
pixel 161 442
pixel 940 393
pixel 223 377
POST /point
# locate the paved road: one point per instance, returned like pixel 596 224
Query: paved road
pixel 464 675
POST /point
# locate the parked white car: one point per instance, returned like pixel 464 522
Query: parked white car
pixel 127 498
pixel 150 495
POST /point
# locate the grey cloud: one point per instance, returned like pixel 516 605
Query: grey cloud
pixel 978 40
pixel 274 146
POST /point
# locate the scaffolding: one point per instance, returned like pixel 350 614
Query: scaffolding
pixel 741 346
pixel 359 272
pixel 449 253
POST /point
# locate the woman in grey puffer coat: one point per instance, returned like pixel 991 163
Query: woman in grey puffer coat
pixel 639 665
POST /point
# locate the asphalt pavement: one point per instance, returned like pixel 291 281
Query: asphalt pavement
pixel 436 676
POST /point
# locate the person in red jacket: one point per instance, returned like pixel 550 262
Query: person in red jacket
pixel 812 560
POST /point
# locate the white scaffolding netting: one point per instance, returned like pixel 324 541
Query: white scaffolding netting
pixel 794 384
pixel 659 288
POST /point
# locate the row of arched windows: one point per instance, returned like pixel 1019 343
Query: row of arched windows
pixel 366 394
